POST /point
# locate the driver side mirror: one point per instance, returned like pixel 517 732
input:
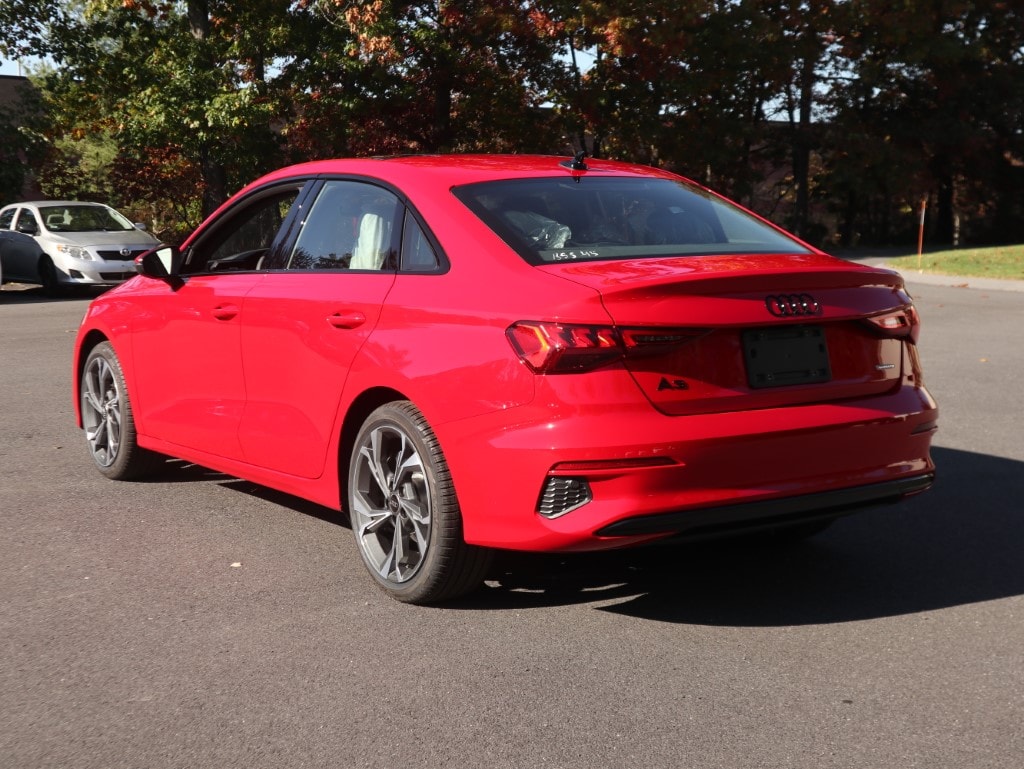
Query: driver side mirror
pixel 162 263
pixel 27 225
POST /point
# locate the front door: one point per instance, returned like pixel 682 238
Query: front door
pixel 190 383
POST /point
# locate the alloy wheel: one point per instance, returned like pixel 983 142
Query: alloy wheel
pixel 391 504
pixel 101 411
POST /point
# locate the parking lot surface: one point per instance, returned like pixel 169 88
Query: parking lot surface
pixel 200 621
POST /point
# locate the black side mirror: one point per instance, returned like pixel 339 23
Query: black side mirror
pixel 162 263
pixel 27 226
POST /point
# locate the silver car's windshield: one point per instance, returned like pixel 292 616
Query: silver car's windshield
pixel 557 220
pixel 79 218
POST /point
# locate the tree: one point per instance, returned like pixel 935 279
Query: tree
pixel 941 88
pixel 695 86
pixel 177 80
pixel 18 142
pixel 784 104
pixel 449 76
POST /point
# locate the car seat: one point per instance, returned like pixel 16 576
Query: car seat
pixel 369 251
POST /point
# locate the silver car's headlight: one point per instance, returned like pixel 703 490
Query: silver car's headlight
pixel 75 252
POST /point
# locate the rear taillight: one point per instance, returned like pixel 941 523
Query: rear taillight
pixel 555 348
pixel 563 348
pixel 901 323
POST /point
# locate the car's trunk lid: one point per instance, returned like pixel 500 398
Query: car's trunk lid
pixel 762 331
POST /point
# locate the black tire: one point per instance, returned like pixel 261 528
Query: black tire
pixel 108 421
pixel 404 513
pixel 48 277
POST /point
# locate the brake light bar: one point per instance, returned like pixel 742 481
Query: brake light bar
pixel 563 348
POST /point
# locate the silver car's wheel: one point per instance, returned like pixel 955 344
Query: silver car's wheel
pixel 48 277
pixel 107 418
pixel 404 513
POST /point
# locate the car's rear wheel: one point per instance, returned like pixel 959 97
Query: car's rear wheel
pixel 404 512
pixel 108 420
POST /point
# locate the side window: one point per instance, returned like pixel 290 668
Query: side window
pixel 239 241
pixel 6 218
pixel 417 253
pixel 350 226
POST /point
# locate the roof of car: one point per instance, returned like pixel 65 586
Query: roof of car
pixel 454 170
pixel 38 203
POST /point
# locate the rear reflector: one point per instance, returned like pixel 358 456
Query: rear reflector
pixel 598 465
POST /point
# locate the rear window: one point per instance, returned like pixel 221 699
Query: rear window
pixel 559 220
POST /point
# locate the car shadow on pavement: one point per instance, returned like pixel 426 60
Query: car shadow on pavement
pixel 177 471
pixel 959 543
pixel 21 294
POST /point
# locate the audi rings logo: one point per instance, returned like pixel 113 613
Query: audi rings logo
pixel 791 305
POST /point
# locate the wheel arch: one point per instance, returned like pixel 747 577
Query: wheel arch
pixel 86 345
pixel 360 408
pixel 43 259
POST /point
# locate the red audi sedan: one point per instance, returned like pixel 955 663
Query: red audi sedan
pixel 469 353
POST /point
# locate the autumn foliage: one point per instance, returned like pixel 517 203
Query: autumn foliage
pixel 833 117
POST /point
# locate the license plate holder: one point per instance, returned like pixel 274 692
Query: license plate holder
pixel 780 356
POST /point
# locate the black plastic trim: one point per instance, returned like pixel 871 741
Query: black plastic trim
pixel 769 513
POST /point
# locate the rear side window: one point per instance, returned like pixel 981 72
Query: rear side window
pixel 417 253
pixel 558 220
pixel 6 218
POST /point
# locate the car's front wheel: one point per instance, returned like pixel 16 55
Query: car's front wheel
pixel 404 512
pixel 108 420
pixel 48 277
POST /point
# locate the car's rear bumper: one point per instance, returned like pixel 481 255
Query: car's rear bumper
pixel 721 470
pixel 768 513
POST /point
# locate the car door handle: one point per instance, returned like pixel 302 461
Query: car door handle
pixel 351 319
pixel 225 311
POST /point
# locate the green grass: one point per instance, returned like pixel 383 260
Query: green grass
pixel 1004 262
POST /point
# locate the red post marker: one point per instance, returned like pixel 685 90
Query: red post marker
pixel 920 232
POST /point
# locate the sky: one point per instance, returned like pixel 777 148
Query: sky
pixel 11 68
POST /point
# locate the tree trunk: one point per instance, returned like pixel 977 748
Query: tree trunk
pixel 214 176
pixel 802 149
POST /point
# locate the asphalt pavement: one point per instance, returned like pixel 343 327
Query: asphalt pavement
pixel 196 620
